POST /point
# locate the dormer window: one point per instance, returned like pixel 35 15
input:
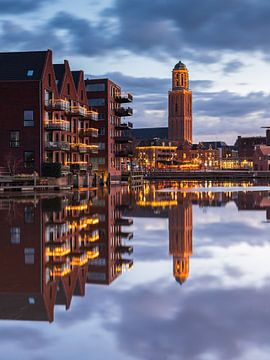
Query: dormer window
pixel 30 73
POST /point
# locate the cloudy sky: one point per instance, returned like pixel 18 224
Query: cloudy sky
pixel 136 43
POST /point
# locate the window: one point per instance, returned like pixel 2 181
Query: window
pixel 95 87
pixel 14 139
pixel 30 73
pixel 28 118
pixel 96 102
pixel 29 256
pixel 49 80
pixel 31 301
pixel 68 89
pixel 15 235
pixel 29 215
pixel 101 146
pixel 29 160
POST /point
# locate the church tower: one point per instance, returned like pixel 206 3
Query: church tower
pixel 180 106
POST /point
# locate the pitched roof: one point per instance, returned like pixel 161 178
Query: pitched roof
pixel 22 65
pixel 76 77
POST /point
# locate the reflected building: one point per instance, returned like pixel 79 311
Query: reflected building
pixel 48 248
pixel 115 235
pixel 180 237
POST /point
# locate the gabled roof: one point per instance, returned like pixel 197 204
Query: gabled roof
pixel 15 65
pixel 76 77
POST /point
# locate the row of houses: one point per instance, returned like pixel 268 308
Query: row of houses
pixel 52 117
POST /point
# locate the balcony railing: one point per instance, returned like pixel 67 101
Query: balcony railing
pixel 78 111
pixel 79 166
pixel 84 148
pixel 58 105
pixel 92 115
pixel 123 139
pixel 79 259
pixel 57 125
pixel 124 126
pixel 124 264
pixel 124 112
pixel 124 98
pixel 61 269
pixel 89 132
pixel 93 253
pixel 57 145
pixel 57 249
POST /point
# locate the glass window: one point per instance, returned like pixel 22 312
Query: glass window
pixel 101 131
pixel 14 139
pixel 29 159
pixel 96 102
pixel 29 256
pixel 28 118
pixel 30 73
pixel 15 235
pixel 95 87
pixel 29 214
pixel 101 146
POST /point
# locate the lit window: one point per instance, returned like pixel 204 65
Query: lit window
pixel 31 301
pixel 30 73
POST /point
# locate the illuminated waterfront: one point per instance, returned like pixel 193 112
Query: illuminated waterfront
pixel 171 270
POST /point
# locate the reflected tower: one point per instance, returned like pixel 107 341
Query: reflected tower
pixel 180 238
pixel 180 106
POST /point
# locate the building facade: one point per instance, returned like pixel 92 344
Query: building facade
pixel 180 106
pixel 114 139
pixel 43 111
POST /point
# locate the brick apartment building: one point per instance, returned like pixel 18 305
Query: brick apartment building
pixel 44 114
pixel 114 138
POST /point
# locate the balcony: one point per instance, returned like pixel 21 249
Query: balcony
pixel 125 235
pixel 61 125
pixel 124 126
pixel 58 105
pixel 93 253
pixel 78 111
pixel 122 112
pixel 76 166
pixel 124 98
pixel 79 259
pixel 124 153
pixel 84 148
pixel 89 132
pixel 92 115
pixel 57 249
pixel 123 222
pixel 57 146
pixel 124 264
pixel 60 269
pixel 123 140
pixel 124 249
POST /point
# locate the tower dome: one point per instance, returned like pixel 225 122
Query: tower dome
pixel 180 66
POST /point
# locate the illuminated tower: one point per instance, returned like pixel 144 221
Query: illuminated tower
pixel 180 106
pixel 180 238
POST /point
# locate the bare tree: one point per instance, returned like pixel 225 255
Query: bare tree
pixel 13 163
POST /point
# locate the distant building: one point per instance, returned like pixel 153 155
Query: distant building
pixel 156 153
pixel 180 106
pixel 198 156
pixel 246 146
pixel 150 133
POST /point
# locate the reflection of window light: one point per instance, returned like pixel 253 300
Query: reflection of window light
pixel 29 256
pixel 15 235
pixel 31 300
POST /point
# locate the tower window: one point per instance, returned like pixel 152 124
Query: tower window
pixel 176 108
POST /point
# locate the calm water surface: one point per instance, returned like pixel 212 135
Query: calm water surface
pixel 147 274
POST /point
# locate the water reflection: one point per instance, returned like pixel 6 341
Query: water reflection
pixel 51 247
